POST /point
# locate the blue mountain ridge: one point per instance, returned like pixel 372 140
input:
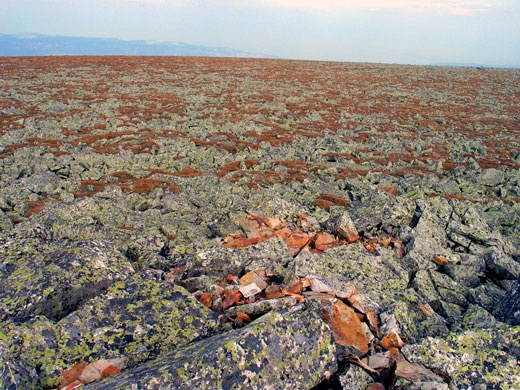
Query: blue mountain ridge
pixel 31 44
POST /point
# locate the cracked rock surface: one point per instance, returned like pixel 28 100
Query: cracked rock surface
pixel 258 224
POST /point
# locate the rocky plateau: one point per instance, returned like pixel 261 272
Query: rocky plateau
pixel 225 223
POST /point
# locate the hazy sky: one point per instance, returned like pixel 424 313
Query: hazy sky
pixel 402 31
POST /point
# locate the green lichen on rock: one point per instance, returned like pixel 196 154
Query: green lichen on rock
pixel 474 357
pixel 55 283
pixel 139 318
pixel 278 351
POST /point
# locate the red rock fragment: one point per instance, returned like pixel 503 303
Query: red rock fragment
pixel 392 340
pixel 299 297
pixel 346 327
pixel 295 287
pixel 376 386
pixel 296 242
pixel 275 223
pixel 349 294
pixel 273 292
pixel 369 247
pixel 345 228
pixel 70 375
pixel 440 260
pixel 173 273
pixel 372 322
pixel 230 297
pixel 325 241
pixel 110 370
pixel 94 371
pixel 73 385
pixel 239 241
pixel 244 317
pixel 284 233
pixel 230 279
pixel 253 277
pixel 206 299
pixel 356 360
pixel 408 370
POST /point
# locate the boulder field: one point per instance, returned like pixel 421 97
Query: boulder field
pixel 181 223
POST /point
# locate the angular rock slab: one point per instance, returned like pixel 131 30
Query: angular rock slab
pixel 290 349
pixel 13 375
pixel 485 357
pixel 137 318
pixel 55 283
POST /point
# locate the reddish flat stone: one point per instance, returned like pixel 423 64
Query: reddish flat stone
pixel 346 326
pixel 325 241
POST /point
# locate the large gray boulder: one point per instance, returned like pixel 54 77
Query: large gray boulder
pixel 290 349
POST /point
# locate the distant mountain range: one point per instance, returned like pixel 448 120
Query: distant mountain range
pixel 473 65
pixel 38 44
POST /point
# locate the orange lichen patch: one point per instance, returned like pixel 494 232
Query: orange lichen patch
pixel 32 142
pixel 275 136
pixel 93 138
pixel 145 186
pixel 345 173
pixel 458 197
pixel 224 141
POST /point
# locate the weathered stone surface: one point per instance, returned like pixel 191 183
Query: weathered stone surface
pixel 55 283
pixel 354 377
pixel 5 221
pixel 137 318
pixel 427 237
pixel 14 375
pixel 501 265
pixel 378 276
pixel 508 310
pixel 475 357
pixel 288 349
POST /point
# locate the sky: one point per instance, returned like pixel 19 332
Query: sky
pixel 483 32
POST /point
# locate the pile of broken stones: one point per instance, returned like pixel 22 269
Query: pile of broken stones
pixel 367 298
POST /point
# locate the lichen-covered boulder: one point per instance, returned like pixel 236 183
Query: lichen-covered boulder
pixel 508 310
pixel 14 375
pixel 55 283
pixel 288 349
pixel 474 358
pixel 138 318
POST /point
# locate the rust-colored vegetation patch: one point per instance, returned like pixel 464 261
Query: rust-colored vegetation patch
pixel 326 201
pixel 125 181
pixel 36 206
